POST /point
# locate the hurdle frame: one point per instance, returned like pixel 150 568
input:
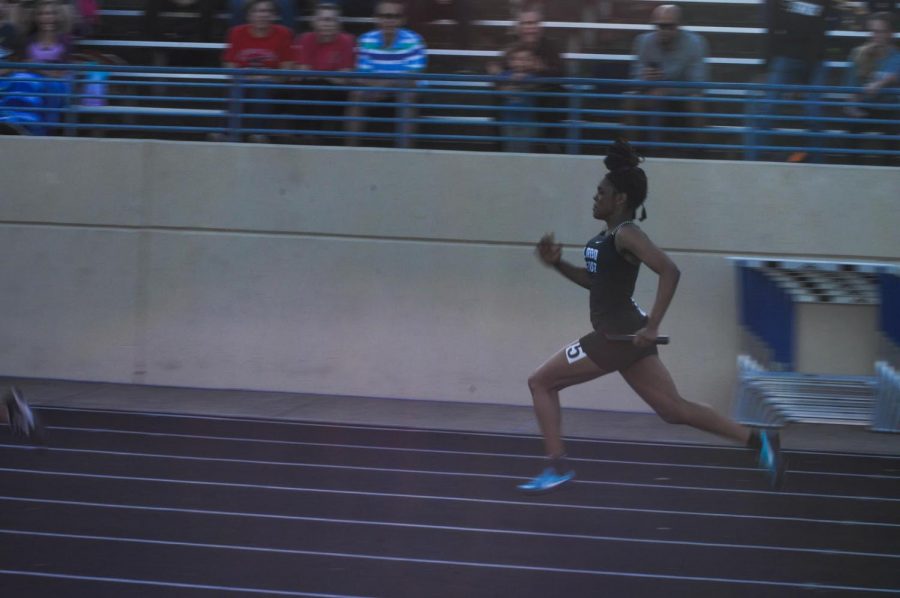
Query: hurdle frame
pixel 770 392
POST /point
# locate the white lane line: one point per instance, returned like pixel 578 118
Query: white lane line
pixel 445 452
pixel 451 528
pixel 841 474
pixel 374 447
pixel 368 427
pixel 428 497
pixel 169 584
pixel 294 423
pixel 372 557
pixel 458 474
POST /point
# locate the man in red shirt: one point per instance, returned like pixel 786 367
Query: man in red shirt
pixel 259 44
pixel 325 48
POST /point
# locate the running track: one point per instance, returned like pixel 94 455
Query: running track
pixel 142 504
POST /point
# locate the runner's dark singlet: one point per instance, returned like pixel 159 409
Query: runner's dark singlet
pixel 612 285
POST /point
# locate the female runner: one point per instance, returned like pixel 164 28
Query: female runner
pixel 612 260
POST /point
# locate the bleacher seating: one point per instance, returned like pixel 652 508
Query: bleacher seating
pixel 732 27
pixel 593 49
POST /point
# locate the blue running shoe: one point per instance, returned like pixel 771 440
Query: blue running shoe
pixel 548 480
pixel 770 457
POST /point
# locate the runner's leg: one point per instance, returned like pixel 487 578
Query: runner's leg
pixel 652 382
pixel 566 368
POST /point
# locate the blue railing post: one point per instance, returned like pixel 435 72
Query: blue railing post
pixel 403 124
pixel 71 104
pixel 574 129
pixel 753 122
pixel 235 107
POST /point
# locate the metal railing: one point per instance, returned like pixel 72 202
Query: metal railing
pixel 564 115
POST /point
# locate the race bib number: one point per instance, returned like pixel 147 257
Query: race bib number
pixel 574 352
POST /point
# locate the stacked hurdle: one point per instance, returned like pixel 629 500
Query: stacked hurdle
pixel 887 404
pixel 769 392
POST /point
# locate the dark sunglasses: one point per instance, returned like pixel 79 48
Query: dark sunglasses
pixel 666 25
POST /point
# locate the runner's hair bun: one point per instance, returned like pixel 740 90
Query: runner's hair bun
pixel 621 156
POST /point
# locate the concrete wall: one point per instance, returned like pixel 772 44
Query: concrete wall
pixel 378 272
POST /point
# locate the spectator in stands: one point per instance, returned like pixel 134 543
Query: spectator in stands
pixel 875 67
pixel 518 113
pixel 10 31
pixel 668 54
pixel 548 62
pixel 795 49
pixel 50 39
pixel 260 44
pixel 389 49
pixel 325 48
pixel 356 14
pixel 530 33
pixel 287 12
pixel 35 100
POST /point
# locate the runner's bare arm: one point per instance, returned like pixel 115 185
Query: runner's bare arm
pixel 550 254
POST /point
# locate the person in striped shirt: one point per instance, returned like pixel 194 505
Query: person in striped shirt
pixel 389 49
